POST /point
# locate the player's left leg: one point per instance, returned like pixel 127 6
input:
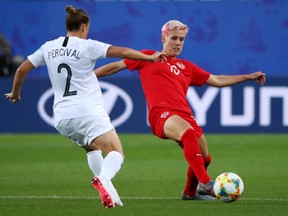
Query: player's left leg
pixel 95 160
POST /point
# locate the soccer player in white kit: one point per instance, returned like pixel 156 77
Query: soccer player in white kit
pixel 78 104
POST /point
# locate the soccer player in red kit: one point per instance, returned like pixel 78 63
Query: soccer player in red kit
pixel 165 85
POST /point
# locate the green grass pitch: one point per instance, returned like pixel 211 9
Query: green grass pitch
pixel 47 175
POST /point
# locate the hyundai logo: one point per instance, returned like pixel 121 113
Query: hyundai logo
pixel 111 95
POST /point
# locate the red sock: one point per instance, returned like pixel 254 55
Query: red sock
pixel 207 161
pixel 192 181
pixel 194 156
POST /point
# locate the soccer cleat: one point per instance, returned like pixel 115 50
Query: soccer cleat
pixel 206 189
pixel 197 197
pixel 106 193
pixel 117 199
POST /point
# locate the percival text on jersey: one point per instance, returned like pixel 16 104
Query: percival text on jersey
pixel 63 52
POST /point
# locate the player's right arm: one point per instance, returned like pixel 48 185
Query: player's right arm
pixel 20 75
pixel 109 69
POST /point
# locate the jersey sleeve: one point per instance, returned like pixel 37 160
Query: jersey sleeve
pixel 98 49
pixel 199 76
pixel 132 64
pixel 37 58
pixel 136 64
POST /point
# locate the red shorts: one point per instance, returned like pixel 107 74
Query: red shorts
pixel 159 115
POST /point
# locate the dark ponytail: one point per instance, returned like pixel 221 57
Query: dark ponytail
pixel 75 18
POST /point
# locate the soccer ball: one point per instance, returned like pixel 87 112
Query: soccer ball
pixel 228 187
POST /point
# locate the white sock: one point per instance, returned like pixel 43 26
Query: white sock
pixel 111 165
pixel 95 160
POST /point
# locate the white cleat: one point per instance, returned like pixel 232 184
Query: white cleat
pixel 117 199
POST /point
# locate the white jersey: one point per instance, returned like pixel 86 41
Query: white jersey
pixel 70 62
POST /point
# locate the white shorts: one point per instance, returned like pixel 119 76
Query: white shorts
pixel 84 130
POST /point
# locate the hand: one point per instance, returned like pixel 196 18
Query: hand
pixel 12 98
pixel 259 77
pixel 158 56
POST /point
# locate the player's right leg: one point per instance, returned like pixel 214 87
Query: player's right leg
pixel 110 144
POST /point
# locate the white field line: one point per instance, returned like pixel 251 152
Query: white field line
pixel 125 198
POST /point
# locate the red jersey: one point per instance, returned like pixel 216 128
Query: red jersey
pixel 166 84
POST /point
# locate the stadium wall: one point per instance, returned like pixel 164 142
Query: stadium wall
pixel 245 108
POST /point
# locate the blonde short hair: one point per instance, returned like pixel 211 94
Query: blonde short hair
pixel 172 25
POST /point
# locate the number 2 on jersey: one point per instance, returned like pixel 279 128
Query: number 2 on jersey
pixel 69 75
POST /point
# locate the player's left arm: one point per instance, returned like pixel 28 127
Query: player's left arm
pixel 226 80
pixel 128 53
pixel 110 68
pixel 20 75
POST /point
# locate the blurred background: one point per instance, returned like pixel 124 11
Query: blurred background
pixel 225 37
